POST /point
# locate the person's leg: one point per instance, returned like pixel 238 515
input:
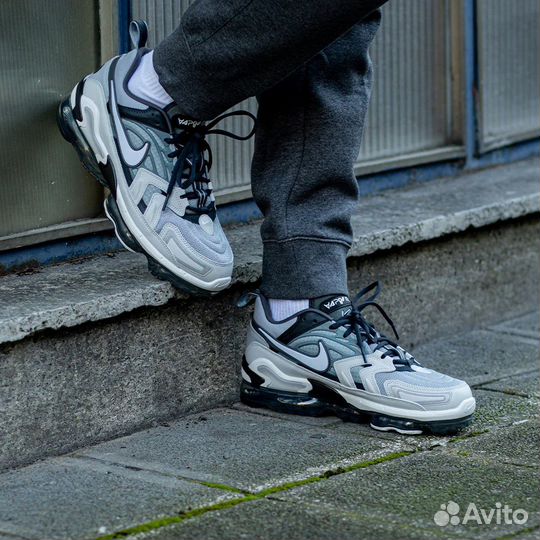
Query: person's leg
pixel 309 348
pixel 225 51
pixel 308 137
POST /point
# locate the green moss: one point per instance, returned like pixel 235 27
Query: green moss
pixel 223 487
pixel 330 473
pixel 183 516
pixel 517 534
pixel 468 436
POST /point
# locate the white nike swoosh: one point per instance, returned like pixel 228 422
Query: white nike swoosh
pixel 131 156
pixel 319 362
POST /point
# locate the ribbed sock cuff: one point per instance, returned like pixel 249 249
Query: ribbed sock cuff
pixel 304 268
pixel 144 83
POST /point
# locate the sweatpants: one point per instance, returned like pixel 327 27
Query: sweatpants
pixel 308 65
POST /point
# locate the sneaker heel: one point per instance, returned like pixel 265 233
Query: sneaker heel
pixel 122 232
pixel 70 131
pixel 279 401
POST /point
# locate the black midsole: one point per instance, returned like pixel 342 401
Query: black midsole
pixel 311 404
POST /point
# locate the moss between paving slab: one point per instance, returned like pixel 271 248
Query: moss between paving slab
pixel 470 435
pixel 517 534
pixel 183 516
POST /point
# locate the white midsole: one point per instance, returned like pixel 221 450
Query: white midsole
pixel 98 133
pixel 279 373
pixel 398 430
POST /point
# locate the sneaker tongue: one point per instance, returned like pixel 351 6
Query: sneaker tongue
pixel 179 120
pixel 335 305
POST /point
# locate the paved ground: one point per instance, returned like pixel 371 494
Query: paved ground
pixel 242 473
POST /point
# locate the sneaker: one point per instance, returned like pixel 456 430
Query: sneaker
pixel 155 163
pixel 328 359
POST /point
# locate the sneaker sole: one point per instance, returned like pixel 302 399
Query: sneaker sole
pixel 322 402
pixel 71 133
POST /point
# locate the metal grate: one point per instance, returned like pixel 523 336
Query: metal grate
pixel 508 70
pixel 45 49
pixel 411 113
pixel 410 110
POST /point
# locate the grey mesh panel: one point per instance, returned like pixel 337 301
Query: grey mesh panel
pixel 215 248
pixel 102 76
pixel 423 381
pixel 150 190
pixel 122 67
pixel 337 346
pixel 355 374
pixel 156 160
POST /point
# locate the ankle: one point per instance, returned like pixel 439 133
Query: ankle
pixel 144 83
pixel 281 309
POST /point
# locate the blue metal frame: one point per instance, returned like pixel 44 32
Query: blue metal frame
pixel 124 18
pixel 471 82
pixel 244 211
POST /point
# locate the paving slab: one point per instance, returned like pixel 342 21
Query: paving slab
pixel 527 385
pixel 412 489
pixel 532 534
pixel 67 498
pixel 515 445
pixel 527 326
pixel 275 520
pixel 242 450
pixel 495 409
pixel 480 356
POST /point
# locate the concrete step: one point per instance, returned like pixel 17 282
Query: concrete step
pixel 99 348
pixel 227 472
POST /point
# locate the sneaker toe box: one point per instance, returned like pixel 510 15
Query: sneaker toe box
pixel 430 389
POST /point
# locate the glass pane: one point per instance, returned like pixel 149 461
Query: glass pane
pixel 46 47
pixel 411 53
pixel 409 106
pixel 509 70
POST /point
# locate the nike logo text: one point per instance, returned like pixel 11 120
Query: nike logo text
pixel 340 300
pixel 131 156
pixel 319 362
pixel 187 122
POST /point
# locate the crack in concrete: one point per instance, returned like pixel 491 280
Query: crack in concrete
pixel 479 385
pixel 522 336
pixel 183 516
pixel 508 392
pixel 127 466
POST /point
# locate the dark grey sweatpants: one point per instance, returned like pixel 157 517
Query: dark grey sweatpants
pixel 308 65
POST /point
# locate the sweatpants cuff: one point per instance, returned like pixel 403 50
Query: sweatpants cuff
pixel 177 73
pixel 304 268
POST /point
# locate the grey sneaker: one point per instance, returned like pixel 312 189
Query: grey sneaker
pixel 155 163
pixel 328 359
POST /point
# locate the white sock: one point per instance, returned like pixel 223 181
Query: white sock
pixel 281 309
pixel 144 83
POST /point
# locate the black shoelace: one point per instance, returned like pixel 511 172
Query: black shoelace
pixel 194 161
pixel 354 322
